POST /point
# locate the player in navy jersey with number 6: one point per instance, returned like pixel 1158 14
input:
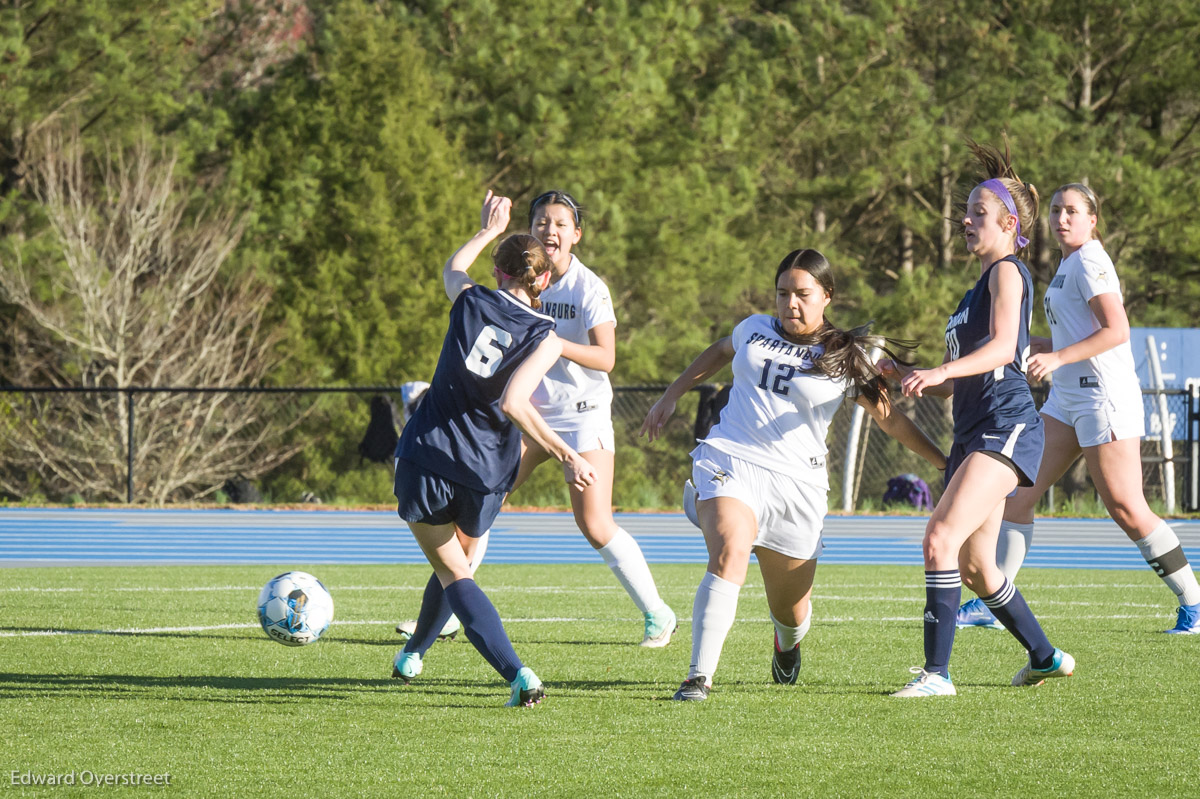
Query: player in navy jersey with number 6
pixel 458 456
pixel 575 399
pixel 998 435
pixel 760 477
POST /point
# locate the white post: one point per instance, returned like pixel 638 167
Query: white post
pixel 1167 428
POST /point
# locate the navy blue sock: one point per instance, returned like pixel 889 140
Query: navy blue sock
pixel 435 612
pixel 1010 608
pixel 943 590
pixel 482 624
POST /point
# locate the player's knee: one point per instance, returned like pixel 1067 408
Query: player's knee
pixel 939 544
pixel 972 576
pixel 1131 516
pixel 730 562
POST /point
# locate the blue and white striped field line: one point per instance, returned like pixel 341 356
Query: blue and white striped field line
pixel 56 537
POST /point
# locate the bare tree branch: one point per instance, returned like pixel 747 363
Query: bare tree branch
pixel 132 294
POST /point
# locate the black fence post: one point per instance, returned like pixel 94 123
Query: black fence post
pixel 129 452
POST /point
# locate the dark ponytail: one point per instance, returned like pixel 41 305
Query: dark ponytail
pixel 523 258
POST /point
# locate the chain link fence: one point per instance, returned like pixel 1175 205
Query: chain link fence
pixel 300 443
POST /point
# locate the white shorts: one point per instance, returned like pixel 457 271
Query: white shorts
pixel 1098 420
pixel 597 435
pixel 790 513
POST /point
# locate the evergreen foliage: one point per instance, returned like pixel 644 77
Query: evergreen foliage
pixel 704 139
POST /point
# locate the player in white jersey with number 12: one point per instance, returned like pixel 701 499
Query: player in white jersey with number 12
pixel 760 473
pixel 1094 407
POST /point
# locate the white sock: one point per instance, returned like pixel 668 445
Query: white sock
pixel 788 637
pixel 713 613
pixel 1163 552
pixel 624 557
pixel 480 548
pixel 1012 546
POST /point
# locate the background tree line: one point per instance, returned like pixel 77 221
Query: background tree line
pixel 341 150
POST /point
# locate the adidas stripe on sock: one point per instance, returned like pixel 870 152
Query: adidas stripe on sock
pixel 1011 609
pixel 943 590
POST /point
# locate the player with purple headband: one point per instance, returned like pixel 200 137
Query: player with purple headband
pixel 998 435
pixel 1094 409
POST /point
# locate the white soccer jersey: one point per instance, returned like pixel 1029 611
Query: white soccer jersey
pixel 1086 273
pixel 571 396
pixel 779 407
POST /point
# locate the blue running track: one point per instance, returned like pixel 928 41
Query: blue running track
pixel 57 537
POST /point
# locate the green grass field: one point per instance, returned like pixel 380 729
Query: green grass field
pixel 183 682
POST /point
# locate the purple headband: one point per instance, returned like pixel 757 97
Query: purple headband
pixel 997 188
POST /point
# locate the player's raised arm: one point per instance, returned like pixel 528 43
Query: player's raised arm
pixel 708 363
pixel 494 221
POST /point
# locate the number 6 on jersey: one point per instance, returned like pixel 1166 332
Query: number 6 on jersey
pixel 488 350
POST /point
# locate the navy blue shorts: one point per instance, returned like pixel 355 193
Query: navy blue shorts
pixel 428 498
pixel 1020 446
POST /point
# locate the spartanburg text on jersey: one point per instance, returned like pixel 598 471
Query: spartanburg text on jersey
pixel 780 405
pixel 458 431
pixel 1001 397
pixel 570 396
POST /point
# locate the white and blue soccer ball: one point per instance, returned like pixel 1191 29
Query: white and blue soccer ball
pixel 295 609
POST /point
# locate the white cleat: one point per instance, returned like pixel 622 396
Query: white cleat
pixel 661 624
pixel 927 683
pixel 405 629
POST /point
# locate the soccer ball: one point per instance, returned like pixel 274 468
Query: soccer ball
pixel 295 609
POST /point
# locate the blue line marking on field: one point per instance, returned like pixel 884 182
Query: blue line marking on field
pixel 47 537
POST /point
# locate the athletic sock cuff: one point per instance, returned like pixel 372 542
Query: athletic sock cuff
pixel 719 586
pixel 1001 597
pixel 1162 539
pixel 949 578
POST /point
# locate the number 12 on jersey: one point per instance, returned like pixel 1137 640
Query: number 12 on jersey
pixel 778 385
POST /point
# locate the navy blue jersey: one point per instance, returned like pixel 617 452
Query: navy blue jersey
pixel 1000 398
pixel 458 431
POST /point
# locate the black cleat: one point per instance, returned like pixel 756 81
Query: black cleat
pixel 785 666
pixel 693 690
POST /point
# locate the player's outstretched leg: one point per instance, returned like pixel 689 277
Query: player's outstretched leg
pixel 486 632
